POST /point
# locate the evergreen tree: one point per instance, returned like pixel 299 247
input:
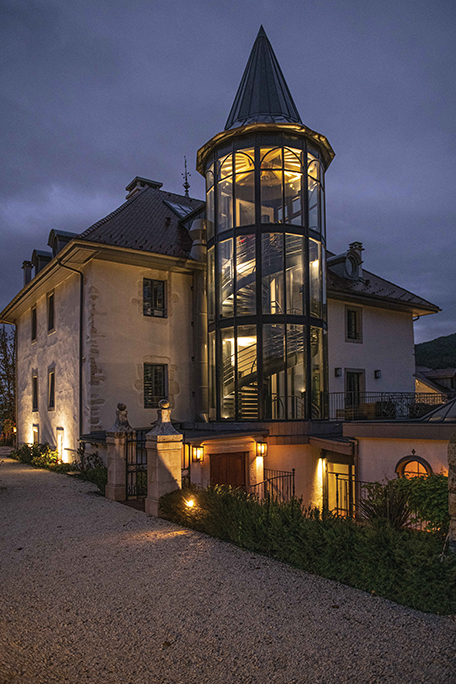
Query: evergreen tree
pixel 7 374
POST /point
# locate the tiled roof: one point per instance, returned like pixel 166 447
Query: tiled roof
pixel 376 288
pixel 146 222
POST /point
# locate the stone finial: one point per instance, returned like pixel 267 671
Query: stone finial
pixel 121 424
pixel 163 426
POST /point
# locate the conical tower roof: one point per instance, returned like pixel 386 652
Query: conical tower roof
pixel 263 95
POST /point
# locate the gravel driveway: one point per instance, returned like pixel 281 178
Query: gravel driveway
pixel 93 591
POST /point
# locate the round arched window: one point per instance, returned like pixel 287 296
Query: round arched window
pixel 413 466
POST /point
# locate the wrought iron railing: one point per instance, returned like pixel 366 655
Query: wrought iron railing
pixel 136 464
pixel 382 405
pixel 277 484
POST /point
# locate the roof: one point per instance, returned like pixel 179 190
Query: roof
pixel 263 94
pixel 439 373
pixel 146 222
pixel 435 386
pixel 377 289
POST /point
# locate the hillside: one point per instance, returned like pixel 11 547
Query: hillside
pixel 438 353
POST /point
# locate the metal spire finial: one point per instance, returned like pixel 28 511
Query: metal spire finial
pixel 185 176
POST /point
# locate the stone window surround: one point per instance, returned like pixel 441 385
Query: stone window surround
pixel 359 323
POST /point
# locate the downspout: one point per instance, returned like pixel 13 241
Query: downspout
pixel 81 337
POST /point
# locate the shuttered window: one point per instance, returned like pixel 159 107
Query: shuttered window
pixel 154 303
pixel 155 384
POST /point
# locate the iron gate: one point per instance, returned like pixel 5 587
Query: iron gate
pixel 136 464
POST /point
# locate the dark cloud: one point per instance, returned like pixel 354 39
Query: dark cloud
pixel 92 94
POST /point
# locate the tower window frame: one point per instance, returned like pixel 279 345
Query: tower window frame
pixel 154 298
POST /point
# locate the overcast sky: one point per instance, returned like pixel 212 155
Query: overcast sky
pixel 95 93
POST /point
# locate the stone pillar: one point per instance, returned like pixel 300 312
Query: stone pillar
pixel 452 491
pixel 164 458
pixel 115 447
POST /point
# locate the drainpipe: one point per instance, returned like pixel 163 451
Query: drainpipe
pixel 81 337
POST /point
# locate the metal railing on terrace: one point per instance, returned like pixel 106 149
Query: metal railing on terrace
pixel 382 405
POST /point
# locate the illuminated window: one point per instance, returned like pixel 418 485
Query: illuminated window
pixel 51 389
pixel 154 298
pixel 155 384
pixel 33 330
pixel 50 312
pixel 353 324
pixel 35 393
pixel 413 466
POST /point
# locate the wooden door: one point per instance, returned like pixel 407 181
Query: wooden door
pixel 228 469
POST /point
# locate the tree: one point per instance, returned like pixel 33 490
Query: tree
pixel 7 374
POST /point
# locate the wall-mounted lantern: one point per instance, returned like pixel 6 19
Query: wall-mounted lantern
pixel 377 374
pixel 338 372
pixel 261 449
pixel 197 454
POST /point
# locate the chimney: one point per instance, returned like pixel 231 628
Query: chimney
pixel 27 268
pixel 138 184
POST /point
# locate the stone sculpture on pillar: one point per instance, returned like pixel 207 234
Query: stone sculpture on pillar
pixel 115 447
pixel 164 458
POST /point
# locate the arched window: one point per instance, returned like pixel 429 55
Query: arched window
pixel 413 466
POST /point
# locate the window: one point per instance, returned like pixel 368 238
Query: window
pixel 50 311
pixel 154 298
pixel 413 466
pixel 51 389
pixel 34 393
pixel 33 331
pixel 155 384
pixel 353 324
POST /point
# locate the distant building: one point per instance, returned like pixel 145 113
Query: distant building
pixel 232 309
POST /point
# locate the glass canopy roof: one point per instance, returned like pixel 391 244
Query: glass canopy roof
pixel 443 414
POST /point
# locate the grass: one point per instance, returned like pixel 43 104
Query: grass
pixel 405 566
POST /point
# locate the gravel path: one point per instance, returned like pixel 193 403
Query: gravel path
pixel 93 591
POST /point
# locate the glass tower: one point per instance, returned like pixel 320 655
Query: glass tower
pixel 266 254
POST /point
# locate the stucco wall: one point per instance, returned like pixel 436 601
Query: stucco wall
pixel 378 457
pixel 308 469
pixel 59 349
pixel 121 339
pixel 387 345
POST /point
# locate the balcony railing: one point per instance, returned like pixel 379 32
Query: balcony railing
pixel 382 405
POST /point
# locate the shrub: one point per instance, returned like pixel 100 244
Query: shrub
pixel 41 456
pixel 92 469
pixel 386 502
pixel 405 566
pixel 428 500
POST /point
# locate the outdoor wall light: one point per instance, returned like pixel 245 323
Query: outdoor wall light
pixel 338 372
pixel 197 454
pixel 262 449
pixel 377 374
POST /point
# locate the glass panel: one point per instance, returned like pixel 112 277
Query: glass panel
pixel 212 377
pixel 313 166
pixel 225 166
pixel 226 272
pixel 317 372
pixel 210 213
pixel 292 159
pixel 225 204
pixel 245 187
pixel 228 358
pixel 314 199
pixel 271 158
pixel 274 371
pixel 295 253
pixel 293 198
pixel 211 284
pixel 245 275
pixel 272 272
pixel 315 283
pixel 247 372
pixel 271 196
pixel 296 399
